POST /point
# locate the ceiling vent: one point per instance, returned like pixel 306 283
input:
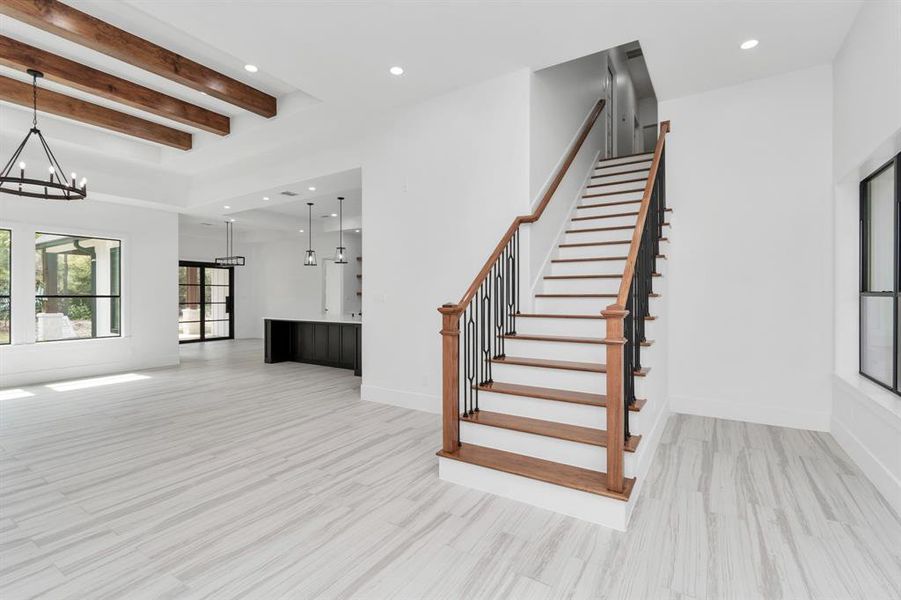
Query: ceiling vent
pixel 634 53
pixel 289 193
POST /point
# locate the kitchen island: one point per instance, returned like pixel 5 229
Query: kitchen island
pixel 319 340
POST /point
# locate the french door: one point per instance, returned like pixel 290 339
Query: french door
pixel 205 302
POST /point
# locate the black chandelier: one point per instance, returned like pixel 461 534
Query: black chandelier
pixel 309 259
pixel 56 186
pixel 340 254
pixel 230 259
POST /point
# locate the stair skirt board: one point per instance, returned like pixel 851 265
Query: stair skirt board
pixel 586 456
pixel 574 503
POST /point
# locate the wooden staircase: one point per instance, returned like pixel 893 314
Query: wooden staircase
pixel 526 392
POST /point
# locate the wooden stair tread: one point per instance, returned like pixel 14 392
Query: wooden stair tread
pixel 577 478
pixel 603 204
pixel 552 429
pixel 596 258
pixel 614 243
pixel 543 393
pixel 565 365
pixel 645 170
pixel 568 316
pixel 616 228
pixel 612 215
pixel 598 185
pixel 612 158
pixel 597 276
pixel 561 338
pixel 653 295
pixel 613 193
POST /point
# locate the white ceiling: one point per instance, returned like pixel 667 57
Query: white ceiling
pixel 328 61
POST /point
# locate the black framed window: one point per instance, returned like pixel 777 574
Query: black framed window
pixel 6 264
pixel 205 302
pixel 77 287
pixel 880 275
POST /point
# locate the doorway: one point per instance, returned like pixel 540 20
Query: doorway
pixel 205 302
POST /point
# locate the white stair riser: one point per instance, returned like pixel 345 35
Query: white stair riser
pixel 558 350
pixel 589 267
pixel 593 251
pixel 625 159
pixel 590 237
pixel 605 222
pixel 572 351
pixel 581 505
pixel 574 236
pixel 578 306
pixel 607 170
pixel 600 211
pixel 562 379
pixel 571 327
pixel 589 199
pixel 583 415
pixel 547 448
pixel 626 174
pixel 626 186
pixel 581 286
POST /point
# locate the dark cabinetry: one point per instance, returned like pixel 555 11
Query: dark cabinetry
pixel 318 343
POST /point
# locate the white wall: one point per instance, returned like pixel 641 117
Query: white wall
pixel 866 419
pixel 149 291
pixel 560 99
pixel 749 171
pixel 442 181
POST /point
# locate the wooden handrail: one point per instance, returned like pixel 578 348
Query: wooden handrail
pixel 624 286
pixel 536 214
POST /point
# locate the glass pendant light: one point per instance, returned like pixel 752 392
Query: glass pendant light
pixel 310 258
pixel 340 251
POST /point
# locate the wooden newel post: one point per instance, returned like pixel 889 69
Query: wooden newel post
pixel 615 342
pixel 450 377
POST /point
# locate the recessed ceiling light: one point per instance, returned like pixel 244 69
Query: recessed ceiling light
pixel 226 207
pixel 312 188
pixel 265 197
pixel 232 220
pixel 748 44
pixel 251 68
pixel 396 71
pixel 300 230
pixel 356 231
pixel 334 214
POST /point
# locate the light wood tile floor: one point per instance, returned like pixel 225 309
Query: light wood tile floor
pixel 227 478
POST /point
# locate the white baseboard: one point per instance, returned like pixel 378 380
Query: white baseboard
pixel 866 423
pixel 751 413
pixel 887 484
pixel 403 399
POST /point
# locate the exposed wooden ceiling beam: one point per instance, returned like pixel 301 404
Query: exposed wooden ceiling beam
pixel 17 55
pixel 62 20
pixel 19 92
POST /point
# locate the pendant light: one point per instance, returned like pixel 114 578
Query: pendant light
pixel 230 259
pixel 340 254
pixel 310 258
pixel 56 186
